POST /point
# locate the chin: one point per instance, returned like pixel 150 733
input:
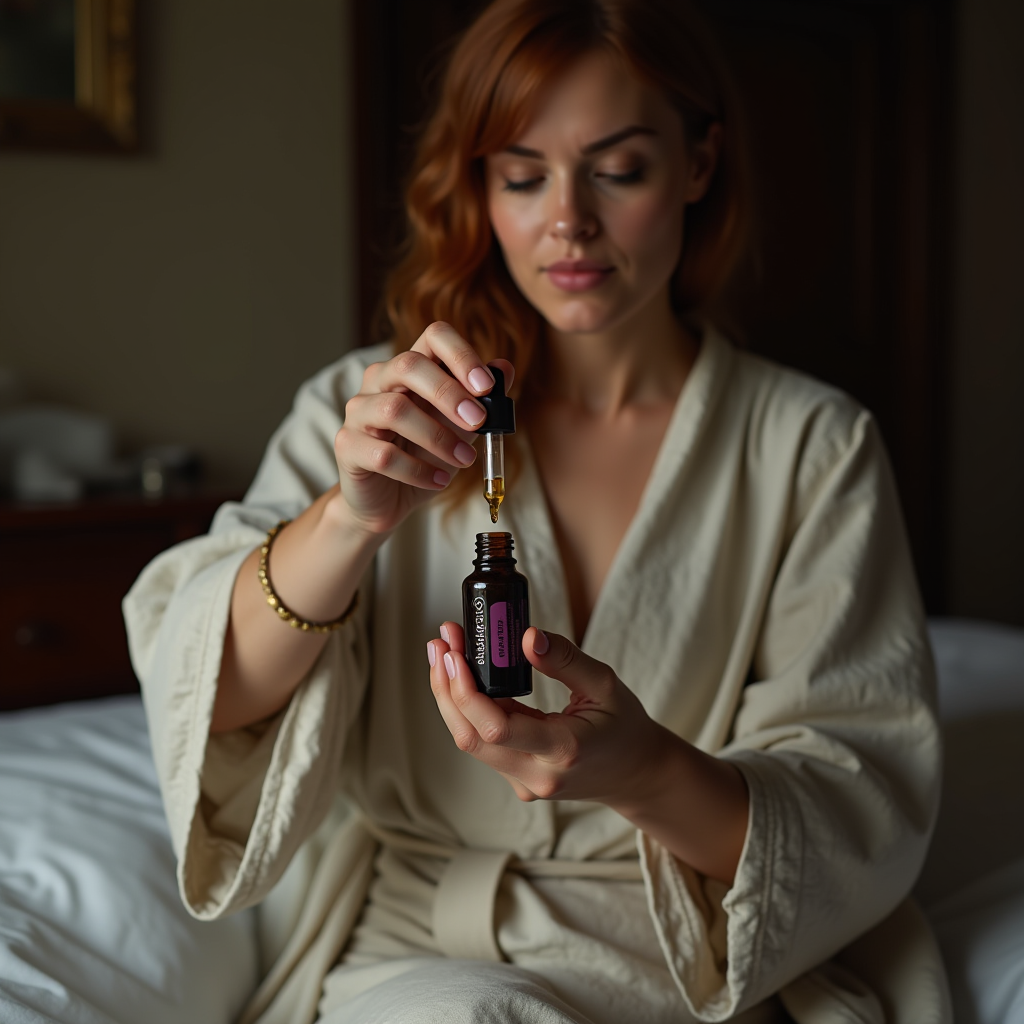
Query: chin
pixel 577 317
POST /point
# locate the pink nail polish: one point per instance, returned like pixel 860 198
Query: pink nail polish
pixel 471 413
pixel 465 453
pixel 431 657
pixel 481 379
pixel 444 634
pixel 449 665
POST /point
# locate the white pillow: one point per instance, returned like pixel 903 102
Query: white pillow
pixel 972 886
pixel 980 930
pixel 92 930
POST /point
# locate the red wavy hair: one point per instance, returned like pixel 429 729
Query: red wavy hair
pixel 451 267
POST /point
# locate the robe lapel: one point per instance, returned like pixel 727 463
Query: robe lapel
pixel 647 553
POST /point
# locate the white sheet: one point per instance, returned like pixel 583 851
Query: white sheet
pixel 972 886
pixel 92 930
pixel 980 930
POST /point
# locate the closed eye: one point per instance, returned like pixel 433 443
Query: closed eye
pixel 525 185
pixel 629 178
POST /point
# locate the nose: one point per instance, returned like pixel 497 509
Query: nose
pixel 572 221
pixel 572 230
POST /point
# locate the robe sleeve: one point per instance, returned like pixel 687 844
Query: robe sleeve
pixel 239 804
pixel 837 739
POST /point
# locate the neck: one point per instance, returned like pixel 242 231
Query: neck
pixel 642 361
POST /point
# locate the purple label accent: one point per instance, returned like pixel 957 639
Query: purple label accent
pixel 499 634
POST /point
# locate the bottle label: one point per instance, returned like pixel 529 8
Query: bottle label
pixel 507 625
pixel 499 635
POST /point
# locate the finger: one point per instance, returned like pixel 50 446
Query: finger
pixel 465 736
pixel 521 791
pixel 531 732
pixel 453 635
pixel 418 374
pixel 393 415
pixel 458 427
pixel 359 454
pixel 443 342
pixel 481 732
pixel 418 370
pixel 515 766
pixel 487 719
pixel 559 658
pixel 511 706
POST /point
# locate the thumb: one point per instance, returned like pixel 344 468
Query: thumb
pixel 559 658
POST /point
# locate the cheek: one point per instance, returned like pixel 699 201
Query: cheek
pixel 515 230
pixel 651 229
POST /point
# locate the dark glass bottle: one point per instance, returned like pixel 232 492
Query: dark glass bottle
pixel 496 614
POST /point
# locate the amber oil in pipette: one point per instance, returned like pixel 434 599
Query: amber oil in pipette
pixel 501 420
pixel 494 492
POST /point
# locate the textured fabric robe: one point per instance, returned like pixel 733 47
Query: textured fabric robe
pixel 761 605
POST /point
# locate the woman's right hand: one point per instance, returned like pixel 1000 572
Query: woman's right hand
pixel 406 434
pixel 411 427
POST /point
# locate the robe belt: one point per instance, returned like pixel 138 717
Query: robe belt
pixel 463 919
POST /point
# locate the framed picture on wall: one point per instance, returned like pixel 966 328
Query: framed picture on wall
pixel 67 75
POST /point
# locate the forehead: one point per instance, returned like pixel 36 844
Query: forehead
pixel 596 96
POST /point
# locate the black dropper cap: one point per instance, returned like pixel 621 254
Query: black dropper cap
pixel 501 410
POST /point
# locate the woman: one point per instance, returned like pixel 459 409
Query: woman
pixel 728 769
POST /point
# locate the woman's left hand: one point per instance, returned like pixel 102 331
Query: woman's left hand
pixel 602 746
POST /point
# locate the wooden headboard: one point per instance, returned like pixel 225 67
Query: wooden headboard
pixel 848 109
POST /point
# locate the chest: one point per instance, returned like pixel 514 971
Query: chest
pixel 594 474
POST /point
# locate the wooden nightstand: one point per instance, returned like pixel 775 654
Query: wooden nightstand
pixel 65 569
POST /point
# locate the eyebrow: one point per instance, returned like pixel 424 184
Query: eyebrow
pixel 594 147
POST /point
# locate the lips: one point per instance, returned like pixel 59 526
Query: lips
pixel 577 275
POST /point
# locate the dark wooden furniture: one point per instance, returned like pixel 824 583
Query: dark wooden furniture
pixel 848 103
pixel 65 570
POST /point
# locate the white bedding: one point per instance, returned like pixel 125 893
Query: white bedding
pixel 972 886
pixel 92 930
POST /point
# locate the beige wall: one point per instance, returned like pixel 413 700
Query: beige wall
pixel 986 466
pixel 186 292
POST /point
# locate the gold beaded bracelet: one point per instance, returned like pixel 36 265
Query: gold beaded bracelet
pixel 277 604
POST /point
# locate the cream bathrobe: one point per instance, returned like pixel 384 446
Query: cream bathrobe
pixel 762 605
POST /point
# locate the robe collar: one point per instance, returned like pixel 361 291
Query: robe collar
pixel 537 550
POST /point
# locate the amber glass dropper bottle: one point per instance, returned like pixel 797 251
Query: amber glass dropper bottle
pixel 496 614
pixel 501 420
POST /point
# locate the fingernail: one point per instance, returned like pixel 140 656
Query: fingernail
pixel 441 478
pixel 444 634
pixel 449 666
pixel 481 379
pixel 472 413
pixel 430 654
pixel 541 643
pixel 465 453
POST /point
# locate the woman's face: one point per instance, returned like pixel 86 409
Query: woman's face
pixel 587 204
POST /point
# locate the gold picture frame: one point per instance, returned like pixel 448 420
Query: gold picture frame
pixel 101 116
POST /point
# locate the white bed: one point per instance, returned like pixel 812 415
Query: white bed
pixel 92 930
